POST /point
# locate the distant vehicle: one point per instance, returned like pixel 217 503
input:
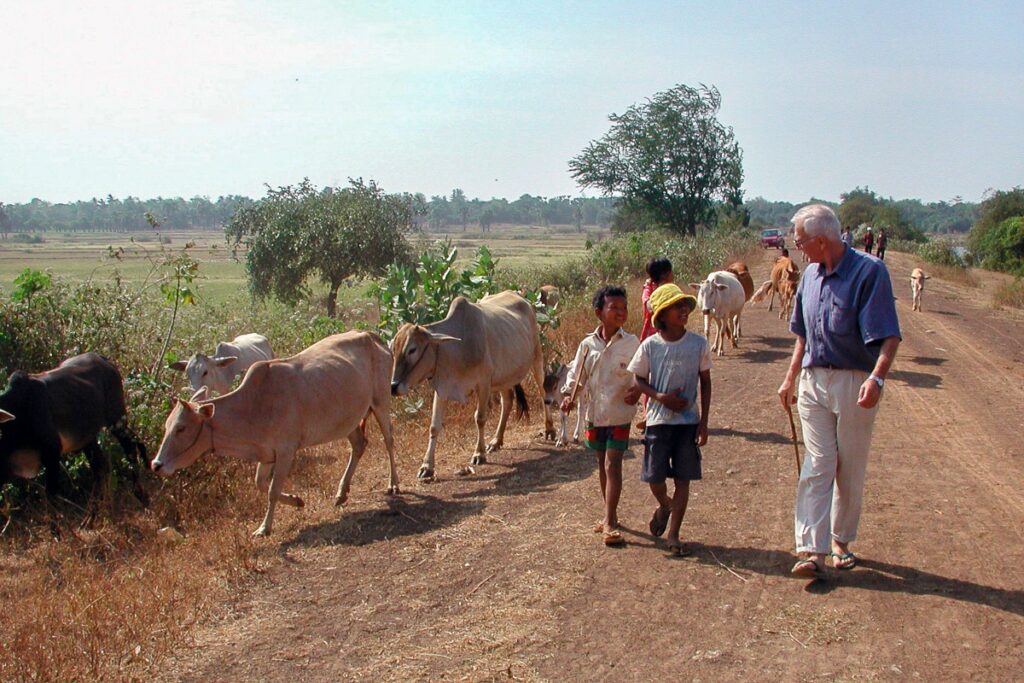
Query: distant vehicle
pixel 772 237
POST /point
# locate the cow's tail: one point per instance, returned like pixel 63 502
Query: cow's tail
pixel 522 407
pixel 132 445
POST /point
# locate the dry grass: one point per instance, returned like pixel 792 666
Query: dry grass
pixel 1010 294
pixel 959 276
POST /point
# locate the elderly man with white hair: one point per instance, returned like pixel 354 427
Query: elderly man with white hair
pixel 847 333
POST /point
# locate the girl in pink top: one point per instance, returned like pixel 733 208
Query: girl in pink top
pixel 659 272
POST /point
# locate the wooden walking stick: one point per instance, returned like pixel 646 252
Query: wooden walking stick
pixel 792 429
pixel 579 375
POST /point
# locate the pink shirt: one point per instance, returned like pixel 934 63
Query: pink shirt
pixel 648 328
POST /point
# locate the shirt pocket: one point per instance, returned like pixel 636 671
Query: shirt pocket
pixel 843 318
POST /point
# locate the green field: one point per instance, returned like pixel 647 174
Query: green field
pixel 85 256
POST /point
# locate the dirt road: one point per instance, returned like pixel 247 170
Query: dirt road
pixel 498 576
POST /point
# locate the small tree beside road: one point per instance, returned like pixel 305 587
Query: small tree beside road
pixel 295 233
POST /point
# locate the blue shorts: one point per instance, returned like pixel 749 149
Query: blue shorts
pixel 670 452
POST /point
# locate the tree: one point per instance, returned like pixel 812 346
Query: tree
pixel 5 222
pixel 669 155
pixel 997 240
pixel 460 207
pixel 295 233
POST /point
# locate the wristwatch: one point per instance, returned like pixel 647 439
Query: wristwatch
pixel 877 380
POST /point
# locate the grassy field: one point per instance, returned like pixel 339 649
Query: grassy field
pixel 85 256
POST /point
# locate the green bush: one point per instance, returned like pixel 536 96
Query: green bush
pixel 1002 246
pixel 942 253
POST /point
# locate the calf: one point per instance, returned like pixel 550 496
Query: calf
pixel 720 296
pixel 61 411
pixel 318 395
pixel 550 295
pixel 555 388
pixel 785 278
pixel 231 359
pixel 917 278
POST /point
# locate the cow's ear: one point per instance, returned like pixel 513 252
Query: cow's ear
pixel 695 285
pixel 221 361
pixel 436 338
pixel 206 411
pixel 178 365
pixel 5 416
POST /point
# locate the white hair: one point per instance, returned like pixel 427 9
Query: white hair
pixel 818 221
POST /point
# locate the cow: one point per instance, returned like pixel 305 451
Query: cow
pixel 917 278
pixel 231 359
pixel 550 295
pixel 483 347
pixel 61 411
pixel 785 278
pixel 319 395
pixel 742 273
pixel 720 296
pixel 554 389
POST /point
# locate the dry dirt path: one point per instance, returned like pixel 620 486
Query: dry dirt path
pixel 497 576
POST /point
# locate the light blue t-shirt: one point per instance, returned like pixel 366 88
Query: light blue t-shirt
pixel 672 365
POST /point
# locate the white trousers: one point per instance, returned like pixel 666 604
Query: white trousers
pixel 837 436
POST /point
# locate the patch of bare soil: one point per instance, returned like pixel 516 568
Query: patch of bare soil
pixel 498 575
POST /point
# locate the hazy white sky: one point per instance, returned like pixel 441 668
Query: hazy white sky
pixel 914 99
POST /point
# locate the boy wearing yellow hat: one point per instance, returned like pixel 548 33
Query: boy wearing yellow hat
pixel 668 368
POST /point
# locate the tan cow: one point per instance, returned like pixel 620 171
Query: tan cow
pixel 484 347
pixel 742 273
pixel 319 395
pixel 784 280
pixel 917 278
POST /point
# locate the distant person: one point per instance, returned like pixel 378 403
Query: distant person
pixel 847 333
pixel 869 240
pixel 669 367
pixel 784 253
pixel 882 239
pixel 847 236
pixel 600 366
pixel 659 272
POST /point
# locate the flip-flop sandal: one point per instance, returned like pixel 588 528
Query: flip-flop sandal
pixel 806 569
pixel 614 538
pixel 658 523
pixel 598 527
pixel 849 558
pixel 681 550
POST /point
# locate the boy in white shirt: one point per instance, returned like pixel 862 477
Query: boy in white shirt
pixel 610 398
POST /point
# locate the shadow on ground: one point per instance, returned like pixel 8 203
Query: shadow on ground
pixel 757 437
pixel 920 380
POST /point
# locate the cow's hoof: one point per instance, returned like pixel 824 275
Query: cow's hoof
pixel 550 436
pixel 299 503
pixel 425 472
pixel 479 458
pixel 393 490
pixel 339 501
pixel 492 447
pixel 560 444
pixel 261 532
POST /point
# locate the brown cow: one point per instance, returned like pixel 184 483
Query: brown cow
pixel 784 280
pixel 742 273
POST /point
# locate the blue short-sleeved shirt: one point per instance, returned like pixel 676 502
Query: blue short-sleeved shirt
pixel 846 314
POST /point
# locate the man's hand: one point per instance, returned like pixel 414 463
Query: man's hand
pixel 632 395
pixel 673 401
pixel 787 395
pixel 869 394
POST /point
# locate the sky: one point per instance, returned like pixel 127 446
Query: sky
pixel 912 99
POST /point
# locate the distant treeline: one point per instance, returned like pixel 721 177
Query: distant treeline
pixel 454 211
pixel 437 213
pixel 935 217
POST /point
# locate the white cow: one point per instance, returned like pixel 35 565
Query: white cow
pixel 917 278
pixel 231 359
pixel 484 347
pixel 720 296
pixel 555 387
pixel 321 394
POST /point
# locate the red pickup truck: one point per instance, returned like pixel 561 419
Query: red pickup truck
pixel 772 237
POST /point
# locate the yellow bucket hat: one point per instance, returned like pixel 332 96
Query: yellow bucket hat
pixel 666 296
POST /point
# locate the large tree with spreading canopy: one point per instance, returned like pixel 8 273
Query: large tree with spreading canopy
pixel 669 157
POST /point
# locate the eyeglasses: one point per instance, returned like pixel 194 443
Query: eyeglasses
pixel 800 243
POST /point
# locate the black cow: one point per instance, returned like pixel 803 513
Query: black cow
pixel 46 415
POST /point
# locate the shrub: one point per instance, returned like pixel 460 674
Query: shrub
pixel 1010 294
pixel 941 252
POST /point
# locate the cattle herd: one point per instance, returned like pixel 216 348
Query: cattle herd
pixel 328 391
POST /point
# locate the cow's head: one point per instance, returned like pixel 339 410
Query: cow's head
pixel 707 294
pixel 214 372
pixel 187 435
pixel 415 351
pixel 554 378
